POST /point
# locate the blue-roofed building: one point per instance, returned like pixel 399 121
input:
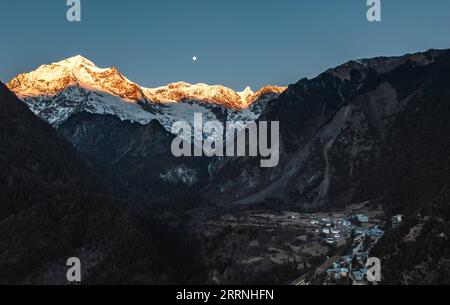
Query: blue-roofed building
pixel 344 272
pixel 358 275
pixel 338 272
pixel 362 218
pixel 361 231
pixel 348 258
pixel 375 232
pixel 358 249
pixel 346 223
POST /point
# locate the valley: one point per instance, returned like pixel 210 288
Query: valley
pixel 256 245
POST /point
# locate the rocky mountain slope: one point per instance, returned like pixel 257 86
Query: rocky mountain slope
pixel 332 129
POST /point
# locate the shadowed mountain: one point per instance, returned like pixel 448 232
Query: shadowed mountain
pixel 134 161
pixel 51 209
pixel 332 128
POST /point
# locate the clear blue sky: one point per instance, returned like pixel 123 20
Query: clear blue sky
pixel 237 42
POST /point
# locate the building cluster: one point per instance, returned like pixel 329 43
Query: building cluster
pixel 336 229
pixel 333 230
pixel 363 236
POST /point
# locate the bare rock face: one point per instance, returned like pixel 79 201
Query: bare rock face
pixel 333 128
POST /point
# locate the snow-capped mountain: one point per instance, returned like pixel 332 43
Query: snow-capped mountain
pixel 57 91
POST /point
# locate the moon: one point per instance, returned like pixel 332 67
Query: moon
pixel 194 58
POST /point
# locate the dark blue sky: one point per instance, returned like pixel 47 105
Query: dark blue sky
pixel 237 42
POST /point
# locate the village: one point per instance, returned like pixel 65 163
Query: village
pixel 329 247
pixel 350 235
pixel 356 235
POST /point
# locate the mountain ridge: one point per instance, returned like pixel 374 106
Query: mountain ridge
pixel 51 79
pixel 61 90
